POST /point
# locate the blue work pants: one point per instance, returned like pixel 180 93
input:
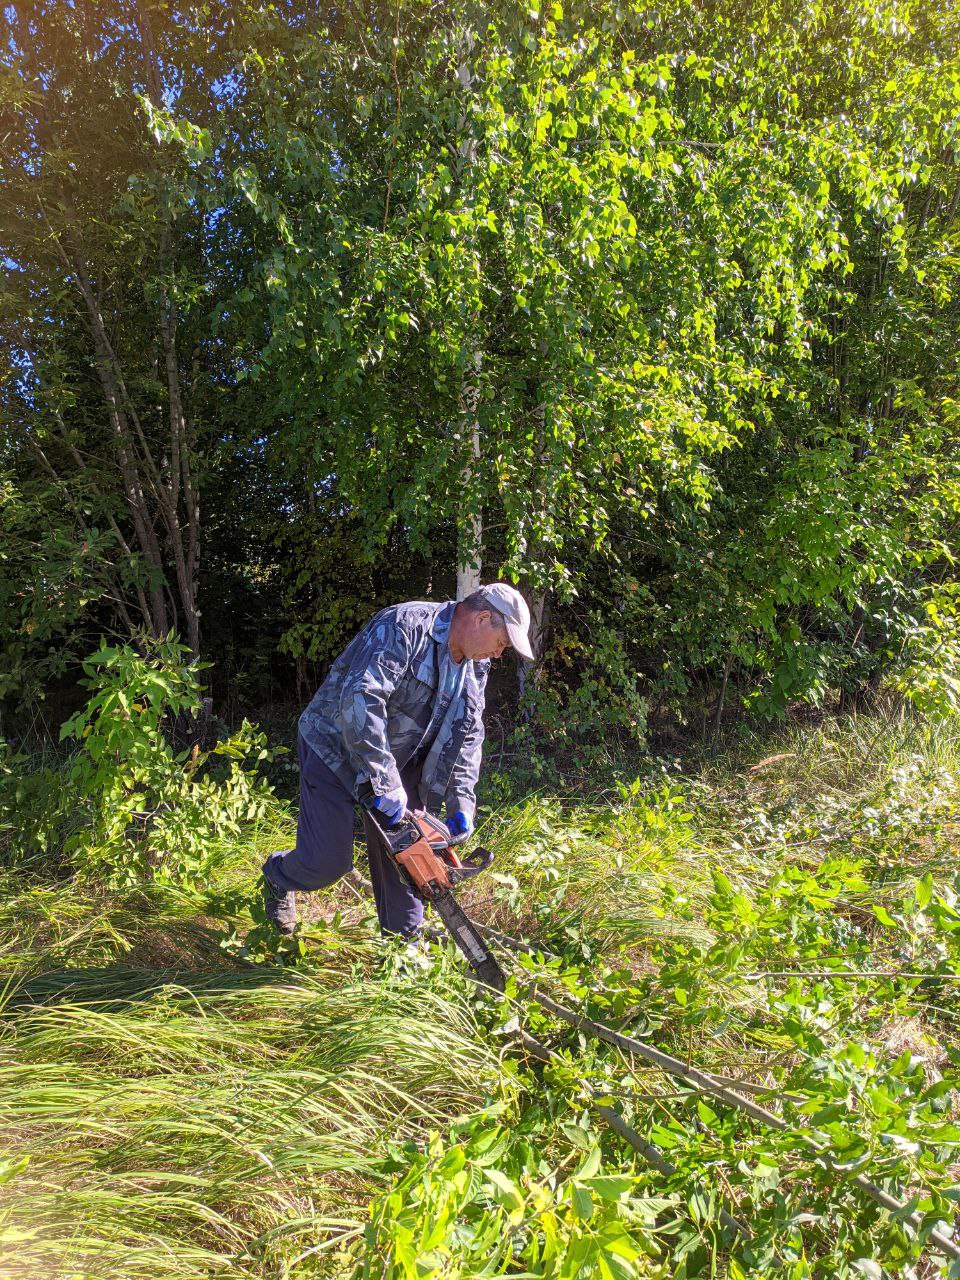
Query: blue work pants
pixel 324 848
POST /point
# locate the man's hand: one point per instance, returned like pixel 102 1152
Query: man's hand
pixel 393 806
pixel 460 826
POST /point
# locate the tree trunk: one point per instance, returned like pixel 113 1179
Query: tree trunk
pixel 539 620
pixel 184 546
pixel 718 718
pixel 126 454
pixel 470 521
pixel 540 499
pixel 153 472
pixel 470 532
pixel 185 557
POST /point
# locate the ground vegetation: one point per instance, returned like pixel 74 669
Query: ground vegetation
pixel 650 309
pixel 182 1093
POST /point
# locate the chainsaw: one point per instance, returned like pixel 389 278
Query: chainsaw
pixel 422 848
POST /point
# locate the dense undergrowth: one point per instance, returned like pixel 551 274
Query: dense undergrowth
pixel 181 1097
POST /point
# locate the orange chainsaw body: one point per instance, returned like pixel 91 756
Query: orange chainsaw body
pixel 429 860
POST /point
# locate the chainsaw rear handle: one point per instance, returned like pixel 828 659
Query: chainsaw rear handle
pixel 366 796
pixel 420 847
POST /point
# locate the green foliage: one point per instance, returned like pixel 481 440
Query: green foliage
pixel 816 959
pixel 592 296
pixel 709 386
pixel 127 807
pixel 32 818
pixel 52 570
pixel 486 1200
pixel 329 588
pixel 103 386
pixel 583 711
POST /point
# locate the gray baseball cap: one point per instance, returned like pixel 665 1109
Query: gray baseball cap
pixel 511 605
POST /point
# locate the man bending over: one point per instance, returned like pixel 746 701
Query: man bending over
pixel 402 710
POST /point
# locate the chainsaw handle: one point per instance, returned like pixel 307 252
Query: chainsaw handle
pixel 471 865
pixel 380 821
pixel 366 797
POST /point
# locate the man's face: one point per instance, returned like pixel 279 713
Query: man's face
pixel 484 637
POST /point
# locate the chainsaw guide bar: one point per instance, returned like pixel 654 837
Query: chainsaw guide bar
pixel 422 848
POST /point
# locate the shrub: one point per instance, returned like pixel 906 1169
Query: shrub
pixel 128 806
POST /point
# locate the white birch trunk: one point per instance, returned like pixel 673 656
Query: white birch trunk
pixel 470 521
pixel 539 602
pixel 470 530
pixel 539 617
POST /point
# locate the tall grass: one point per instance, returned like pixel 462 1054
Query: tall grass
pixel 183 1112
pixel 882 788
pixel 217 1122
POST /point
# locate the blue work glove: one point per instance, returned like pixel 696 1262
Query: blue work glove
pixel 460 826
pixel 392 806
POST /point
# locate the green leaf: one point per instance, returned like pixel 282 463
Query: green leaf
pixel 884 916
pixel 581 1202
pixel 542 128
pixel 924 891
pixel 507 1193
pixel 609 1186
pixel 11 1166
pixel 867 1267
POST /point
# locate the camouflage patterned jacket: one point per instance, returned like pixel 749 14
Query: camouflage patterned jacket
pixel 380 709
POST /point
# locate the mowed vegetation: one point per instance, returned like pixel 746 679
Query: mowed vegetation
pixel 179 1098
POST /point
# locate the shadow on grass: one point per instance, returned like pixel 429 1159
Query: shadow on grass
pixel 111 987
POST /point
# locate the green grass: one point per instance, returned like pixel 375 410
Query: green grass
pixel 218 1121
pixel 175 1105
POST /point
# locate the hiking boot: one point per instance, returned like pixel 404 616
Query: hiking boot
pixel 280 905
